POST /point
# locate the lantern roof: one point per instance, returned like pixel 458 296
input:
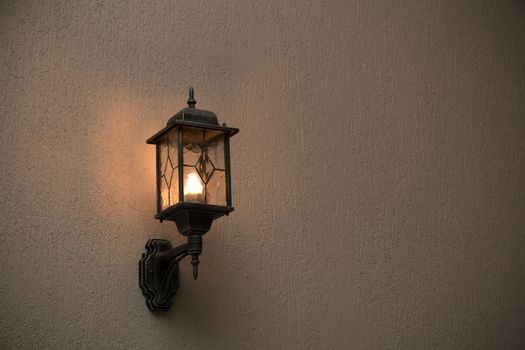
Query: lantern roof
pixel 191 116
pixel 194 115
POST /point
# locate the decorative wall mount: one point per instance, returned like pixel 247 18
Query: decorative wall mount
pixel 193 189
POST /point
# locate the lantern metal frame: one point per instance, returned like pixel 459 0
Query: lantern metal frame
pixel 159 276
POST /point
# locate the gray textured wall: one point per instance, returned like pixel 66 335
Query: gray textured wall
pixel 379 176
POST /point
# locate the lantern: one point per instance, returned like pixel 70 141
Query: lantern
pixel 193 185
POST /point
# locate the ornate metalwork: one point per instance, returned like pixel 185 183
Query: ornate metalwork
pixel 210 161
pixel 159 273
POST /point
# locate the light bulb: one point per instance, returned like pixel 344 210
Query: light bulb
pixel 193 188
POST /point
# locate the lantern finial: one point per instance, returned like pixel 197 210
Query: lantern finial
pixel 195 264
pixel 191 99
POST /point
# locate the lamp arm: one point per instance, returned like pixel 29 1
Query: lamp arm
pixel 174 253
pixel 173 256
pixel 159 272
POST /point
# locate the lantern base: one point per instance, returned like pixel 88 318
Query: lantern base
pixel 159 276
pixel 193 218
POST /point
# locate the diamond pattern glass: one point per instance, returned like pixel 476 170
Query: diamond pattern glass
pixel 192 145
pixel 204 166
pixel 168 174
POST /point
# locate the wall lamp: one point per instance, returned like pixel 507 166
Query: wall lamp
pixel 193 189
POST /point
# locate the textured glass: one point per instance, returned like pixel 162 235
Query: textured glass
pixel 168 172
pixel 164 193
pixel 173 142
pixel 193 142
pixel 216 188
pixel 215 141
pixel 163 153
pixel 174 189
pixel 168 177
pixel 204 166
pixel 194 188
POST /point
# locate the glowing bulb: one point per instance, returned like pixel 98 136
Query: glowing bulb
pixel 193 188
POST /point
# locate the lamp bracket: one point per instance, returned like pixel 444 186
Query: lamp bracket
pixel 159 276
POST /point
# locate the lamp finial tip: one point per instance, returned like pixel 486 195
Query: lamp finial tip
pixel 191 99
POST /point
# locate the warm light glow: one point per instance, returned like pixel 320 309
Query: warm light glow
pixel 193 187
pixel 164 193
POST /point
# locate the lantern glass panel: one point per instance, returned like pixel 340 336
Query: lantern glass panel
pixel 216 188
pixel 204 166
pixel 164 194
pixel 216 149
pixel 168 170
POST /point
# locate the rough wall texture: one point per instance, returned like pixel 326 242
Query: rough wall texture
pixel 378 176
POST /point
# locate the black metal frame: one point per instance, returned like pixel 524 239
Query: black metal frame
pixel 159 276
pixel 164 214
pixel 159 266
pixel 229 131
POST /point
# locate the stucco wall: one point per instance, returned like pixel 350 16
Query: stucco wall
pixel 379 176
